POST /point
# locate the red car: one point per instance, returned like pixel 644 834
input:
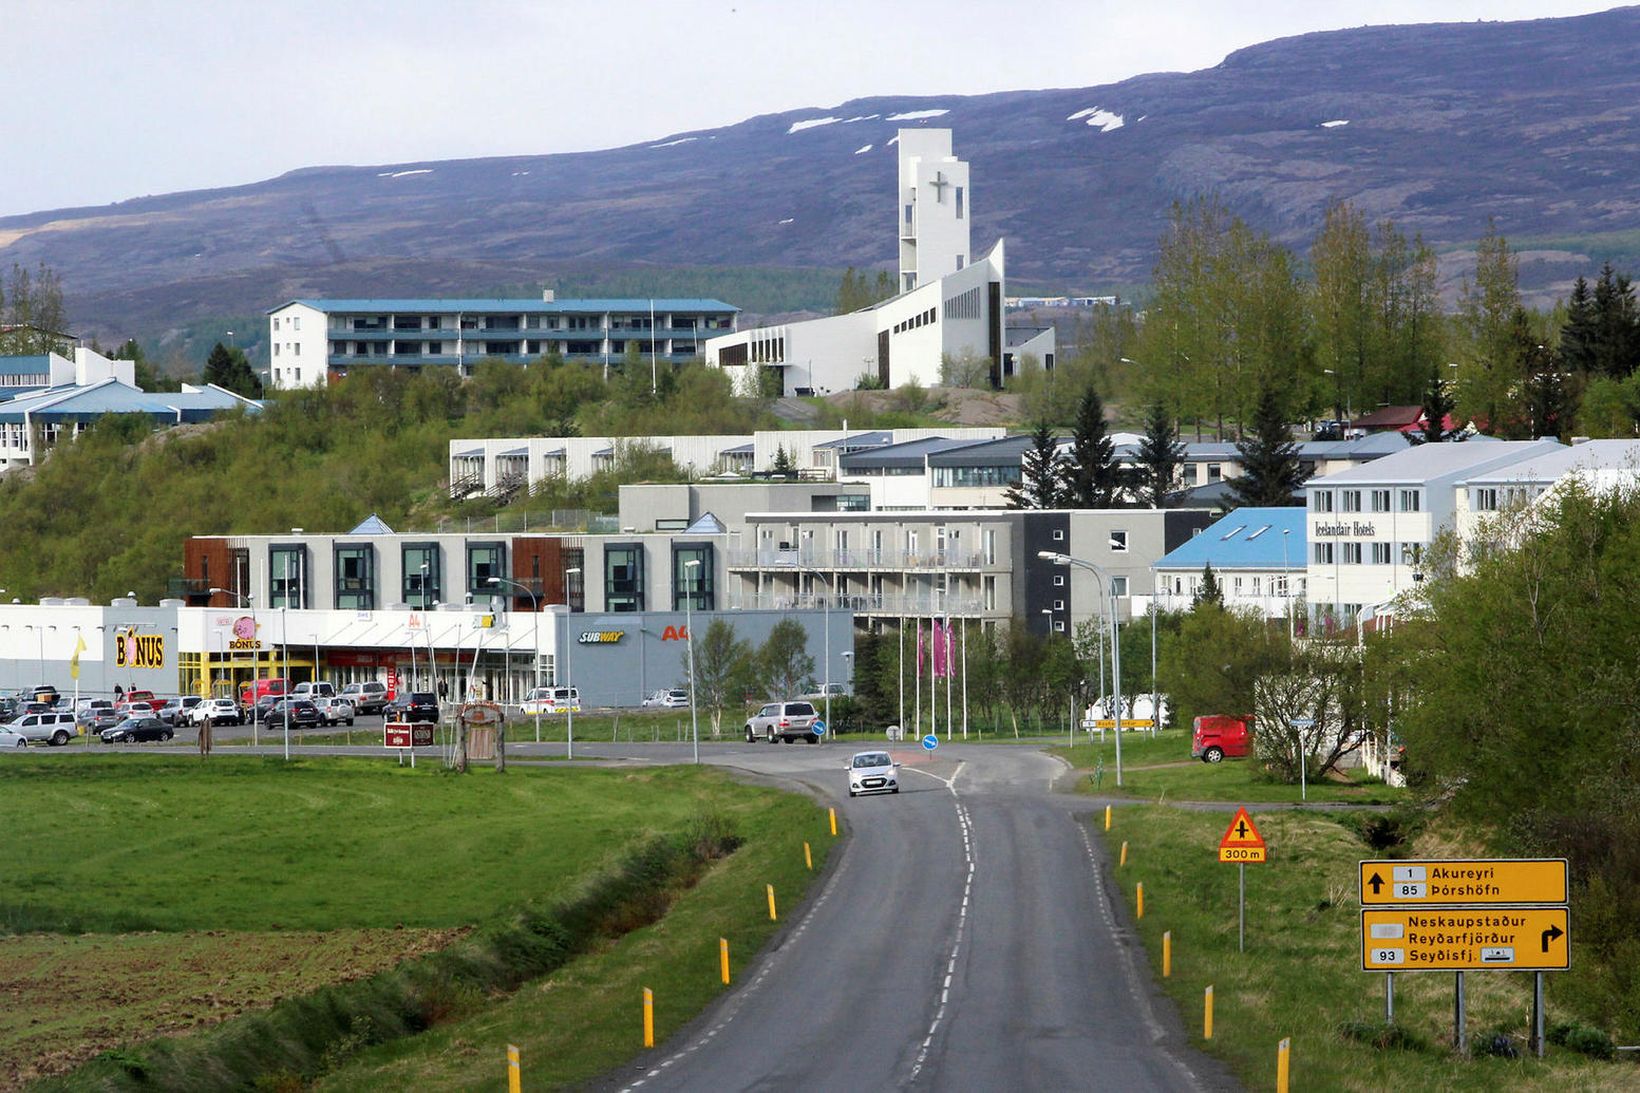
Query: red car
pixel 1217 736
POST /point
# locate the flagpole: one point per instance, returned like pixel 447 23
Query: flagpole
pixel 950 670
pixel 933 685
pixel 916 684
pixel 965 679
pixel 901 722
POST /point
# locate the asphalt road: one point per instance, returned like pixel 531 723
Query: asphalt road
pixel 966 938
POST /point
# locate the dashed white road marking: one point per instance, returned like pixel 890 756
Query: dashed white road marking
pixel 962 919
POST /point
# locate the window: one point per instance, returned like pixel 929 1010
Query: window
pixel 356 578
pixel 1380 553
pixel 1323 553
pixel 959 217
pixel 1059 580
pixel 276 324
pixel 276 349
pixel 1258 585
pixel 575 586
pixel 1352 553
pixel 296 348
pixel 1380 500
pixel 485 560
pixel 1321 501
pixel 960 261
pixel 989 539
pixel 623 577
pixel 287 576
pixel 988 587
pixel 1486 500
pixel 1412 553
pixel 1349 500
pixel 1059 605
pixel 693 588
pixel 1215 472
pixel 1118 542
pixel 1118 586
pixel 421 574
pixel 1411 501
pixel 296 322
pixel 1059 535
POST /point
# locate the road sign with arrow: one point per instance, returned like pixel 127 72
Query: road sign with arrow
pixel 1242 843
pixel 1432 939
pixel 1468 882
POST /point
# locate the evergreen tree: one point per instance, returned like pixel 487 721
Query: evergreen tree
pixel 1616 325
pixel 1209 591
pixel 783 464
pixel 1160 456
pixel 1577 333
pixel 1096 479
pixel 1437 406
pixel 229 369
pixel 1041 474
pixel 1270 471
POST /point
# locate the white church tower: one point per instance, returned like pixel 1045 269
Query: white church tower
pixel 933 211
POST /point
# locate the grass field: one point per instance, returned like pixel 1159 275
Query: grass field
pixel 1160 768
pixel 1300 975
pixel 260 879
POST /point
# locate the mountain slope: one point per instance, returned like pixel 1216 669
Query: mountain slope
pixel 1536 124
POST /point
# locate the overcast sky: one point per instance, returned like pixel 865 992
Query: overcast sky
pixel 111 99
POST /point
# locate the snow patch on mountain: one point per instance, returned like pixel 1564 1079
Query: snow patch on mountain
pixel 917 115
pixel 799 126
pixel 1101 119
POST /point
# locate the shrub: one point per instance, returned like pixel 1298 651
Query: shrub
pixel 1384 1036
pixel 1584 1039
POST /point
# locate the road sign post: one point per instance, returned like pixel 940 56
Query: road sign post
pixel 1242 844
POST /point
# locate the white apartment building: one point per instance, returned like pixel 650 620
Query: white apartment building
pixel 1258 559
pixel 950 301
pixel 1369 527
pixel 1597 464
pixel 313 339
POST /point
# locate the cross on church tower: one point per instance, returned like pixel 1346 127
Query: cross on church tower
pixel 939 183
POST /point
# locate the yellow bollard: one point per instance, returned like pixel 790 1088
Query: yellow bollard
pixel 1140 888
pixel 833 820
pixel 514 1078
pixel 772 916
pixel 1107 817
pixel 1167 953
pixel 648 1017
pixel 723 957
pixel 808 858
pixel 1207 1015
pixel 1283 1051
pixel 1123 862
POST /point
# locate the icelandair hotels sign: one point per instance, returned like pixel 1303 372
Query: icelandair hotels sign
pixel 1346 527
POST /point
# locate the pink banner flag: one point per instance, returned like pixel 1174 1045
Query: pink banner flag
pixel 939 649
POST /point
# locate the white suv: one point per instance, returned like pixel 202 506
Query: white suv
pixel 367 697
pixel 783 721
pixel 53 728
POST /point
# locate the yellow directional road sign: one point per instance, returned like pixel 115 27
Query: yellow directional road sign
pixel 1463 881
pixel 1404 939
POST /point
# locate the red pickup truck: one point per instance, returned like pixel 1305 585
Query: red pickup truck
pixel 1216 736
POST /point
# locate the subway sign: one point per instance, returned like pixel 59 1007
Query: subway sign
pixel 601 637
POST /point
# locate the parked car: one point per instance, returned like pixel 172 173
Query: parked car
pixel 1213 737
pixel 102 718
pixel 85 704
pixel 262 687
pixel 672 699
pixel 135 696
pixel 783 722
pixel 367 697
pixel 46 693
pixel 334 710
pixel 54 727
pixel 818 692
pixel 313 691
pixel 301 714
pixel 176 711
pixel 872 772
pixel 551 700
pixel 11 741
pixel 140 708
pixel 134 730
pixel 216 711
pixel 413 706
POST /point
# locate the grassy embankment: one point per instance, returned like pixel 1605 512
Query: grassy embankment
pixel 263 881
pixel 1300 975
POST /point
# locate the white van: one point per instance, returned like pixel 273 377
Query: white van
pixel 321 689
pixel 551 700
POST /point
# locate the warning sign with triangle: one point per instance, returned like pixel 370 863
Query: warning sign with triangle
pixel 1242 842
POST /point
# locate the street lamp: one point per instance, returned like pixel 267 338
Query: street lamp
pixel 1115 639
pixel 535 638
pixel 571 698
pixel 689 629
pixel 256 653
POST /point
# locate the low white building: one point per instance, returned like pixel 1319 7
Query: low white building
pixel 1597 464
pixel 1370 527
pixel 1258 559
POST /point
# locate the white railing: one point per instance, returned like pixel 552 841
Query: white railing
pixel 804 558
pixel 867 603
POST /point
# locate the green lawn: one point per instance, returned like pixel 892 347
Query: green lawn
pixel 1300 975
pixel 1160 769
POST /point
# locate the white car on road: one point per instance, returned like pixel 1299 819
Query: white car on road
pixel 11 740
pixel 673 699
pixel 873 772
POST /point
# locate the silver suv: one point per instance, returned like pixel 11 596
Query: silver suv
pixel 783 721
pixel 55 728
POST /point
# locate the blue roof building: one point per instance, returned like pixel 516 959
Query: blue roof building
pixel 31 424
pixel 313 339
pixel 1259 557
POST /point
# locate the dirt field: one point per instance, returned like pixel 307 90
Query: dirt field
pixel 65 999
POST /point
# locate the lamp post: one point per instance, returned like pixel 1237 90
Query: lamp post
pixel 1287 581
pixel 535 640
pixel 569 644
pixel 256 653
pixel 689 629
pixel 1115 639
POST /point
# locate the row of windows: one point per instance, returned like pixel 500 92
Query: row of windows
pixel 968 305
pixel 1377 500
pixel 1276 585
pixel 295 323
pixel 922 318
pixel 1353 553
pixel 356 582
pixel 767 350
pixel 295 349
pixel 1491 498
pixel 977 476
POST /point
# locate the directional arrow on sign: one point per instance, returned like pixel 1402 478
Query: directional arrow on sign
pixel 1549 935
pixel 1241 829
pixel 1375 882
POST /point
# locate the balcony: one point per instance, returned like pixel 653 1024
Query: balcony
pixel 800 559
pixel 874 603
pixel 187 587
